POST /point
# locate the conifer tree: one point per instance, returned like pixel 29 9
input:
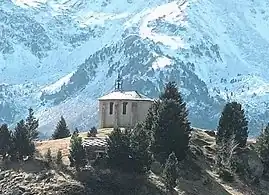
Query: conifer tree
pixel 32 124
pixel 171 93
pixel 140 140
pixel 233 122
pixel 61 130
pixel 171 127
pixel 77 153
pixel 48 157
pixel 152 112
pixel 119 151
pixel 5 141
pixel 170 172
pixel 128 151
pixel 59 158
pixel 262 147
pixel 93 131
pixel 23 145
pixel 76 132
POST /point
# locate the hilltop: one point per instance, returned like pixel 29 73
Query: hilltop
pixel 63 144
pixel 197 176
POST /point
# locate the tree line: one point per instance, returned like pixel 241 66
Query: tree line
pixel 18 144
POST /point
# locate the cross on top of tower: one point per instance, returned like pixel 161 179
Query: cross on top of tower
pixel 118 83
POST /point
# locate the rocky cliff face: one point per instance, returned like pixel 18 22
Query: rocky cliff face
pixel 60 56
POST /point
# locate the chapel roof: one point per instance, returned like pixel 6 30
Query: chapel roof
pixel 125 95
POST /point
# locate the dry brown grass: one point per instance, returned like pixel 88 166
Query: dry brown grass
pixel 54 145
pixel 63 144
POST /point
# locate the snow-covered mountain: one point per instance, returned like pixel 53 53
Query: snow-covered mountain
pixel 59 56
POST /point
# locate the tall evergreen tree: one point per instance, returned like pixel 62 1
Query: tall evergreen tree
pixel 171 93
pixel 59 158
pixel 262 147
pixel 77 152
pixel 171 127
pixel 48 157
pixel 233 122
pixel 119 151
pixel 23 145
pixel 5 141
pixel 129 151
pixel 140 140
pixel 170 172
pixel 32 124
pixel 61 130
pixel 151 115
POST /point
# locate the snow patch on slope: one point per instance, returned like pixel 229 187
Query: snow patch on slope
pixel 56 87
pixel 27 3
pixel 161 62
pixel 170 12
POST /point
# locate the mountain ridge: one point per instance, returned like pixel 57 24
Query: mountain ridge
pixel 214 50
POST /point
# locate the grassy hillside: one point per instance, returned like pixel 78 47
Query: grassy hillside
pixel 197 176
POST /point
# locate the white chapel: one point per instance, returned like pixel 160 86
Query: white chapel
pixel 122 108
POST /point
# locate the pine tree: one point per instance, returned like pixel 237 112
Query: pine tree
pixel 77 153
pixel 61 130
pixel 225 131
pixel 5 141
pixel 171 93
pixel 59 158
pixel 152 112
pixel 233 122
pixel 171 128
pixel 262 147
pixel 23 145
pixel 119 151
pixel 129 151
pixel 76 132
pixel 170 172
pixel 93 131
pixel 232 133
pixel 140 140
pixel 48 157
pixel 32 124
